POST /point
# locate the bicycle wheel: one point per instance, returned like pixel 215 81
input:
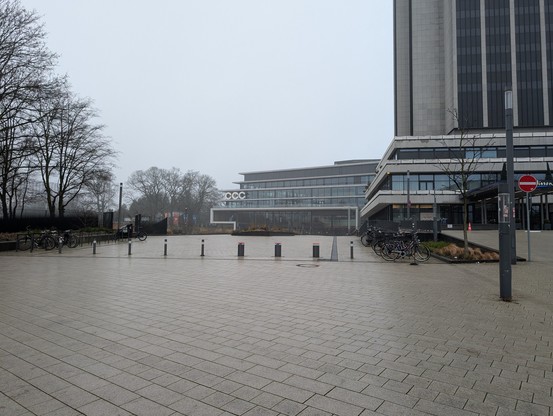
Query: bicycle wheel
pixel 72 241
pixel 377 247
pixel 422 253
pixel 365 240
pixel 141 236
pixel 389 252
pixel 24 243
pixel 47 242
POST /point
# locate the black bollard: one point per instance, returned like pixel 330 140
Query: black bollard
pixel 94 247
pixel 351 249
pixel 278 250
pixel 60 244
pixel 241 249
pixel 130 247
pixel 316 250
pixel 165 248
pixel 202 255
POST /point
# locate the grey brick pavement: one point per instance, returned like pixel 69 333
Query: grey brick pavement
pixel 145 334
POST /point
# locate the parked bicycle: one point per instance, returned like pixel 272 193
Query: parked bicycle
pixel 44 240
pixel 126 232
pixel 66 238
pixel 369 236
pixel 404 245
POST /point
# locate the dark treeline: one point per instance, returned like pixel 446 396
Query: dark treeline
pixel 157 193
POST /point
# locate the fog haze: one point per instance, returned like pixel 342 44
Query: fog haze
pixel 224 87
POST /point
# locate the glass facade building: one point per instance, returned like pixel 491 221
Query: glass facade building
pixel 419 164
pixel 462 54
pixel 313 200
pixel 453 61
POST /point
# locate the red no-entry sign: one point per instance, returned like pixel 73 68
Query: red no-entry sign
pixel 527 183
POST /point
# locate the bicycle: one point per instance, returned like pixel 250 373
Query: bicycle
pixel 127 233
pixel 369 236
pixel 141 235
pixel 29 241
pixel 66 238
pixel 402 247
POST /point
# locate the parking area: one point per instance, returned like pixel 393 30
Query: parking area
pixel 181 334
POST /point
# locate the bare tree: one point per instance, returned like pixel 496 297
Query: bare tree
pixel 25 68
pixel 15 169
pixel 174 187
pixel 99 194
pixel 157 191
pixel 70 148
pixel 206 195
pixel 149 193
pixel 462 164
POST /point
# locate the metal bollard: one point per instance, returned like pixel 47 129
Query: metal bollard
pixel 241 249
pixel 316 250
pixel 94 247
pixel 202 255
pixel 165 248
pixel 130 246
pixel 278 250
pixel 351 249
pixel 60 244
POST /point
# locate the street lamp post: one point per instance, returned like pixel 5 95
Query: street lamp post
pixel 435 217
pixel 509 155
pixel 408 196
pixel 120 201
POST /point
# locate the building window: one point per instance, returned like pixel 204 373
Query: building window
pixel 529 74
pixel 469 65
pixel 498 59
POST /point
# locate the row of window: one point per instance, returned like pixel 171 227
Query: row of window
pixel 344 180
pixel 313 202
pixel 306 192
pixel 492 152
pixel 494 11
pixel 430 182
pixel 498 44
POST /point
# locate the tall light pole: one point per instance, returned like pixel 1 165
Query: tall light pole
pixel 435 217
pixel 509 155
pixel 408 196
pixel 120 201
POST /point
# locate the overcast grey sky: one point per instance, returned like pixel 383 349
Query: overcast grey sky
pixel 230 86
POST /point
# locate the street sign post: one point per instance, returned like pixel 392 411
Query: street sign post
pixel 528 183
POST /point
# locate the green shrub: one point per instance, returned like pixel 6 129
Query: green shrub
pixel 435 245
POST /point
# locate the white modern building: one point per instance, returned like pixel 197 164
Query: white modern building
pixel 310 200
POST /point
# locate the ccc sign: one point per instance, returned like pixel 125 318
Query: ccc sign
pixel 235 195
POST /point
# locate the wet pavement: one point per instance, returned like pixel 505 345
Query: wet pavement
pixel 181 334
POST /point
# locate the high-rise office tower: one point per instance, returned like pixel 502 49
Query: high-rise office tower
pixel 460 55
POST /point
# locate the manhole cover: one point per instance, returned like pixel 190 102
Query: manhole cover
pixel 307 265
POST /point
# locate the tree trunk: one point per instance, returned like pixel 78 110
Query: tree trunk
pixel 4 207
pixel 61 208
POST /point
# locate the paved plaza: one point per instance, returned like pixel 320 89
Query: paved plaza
pixel 148 334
